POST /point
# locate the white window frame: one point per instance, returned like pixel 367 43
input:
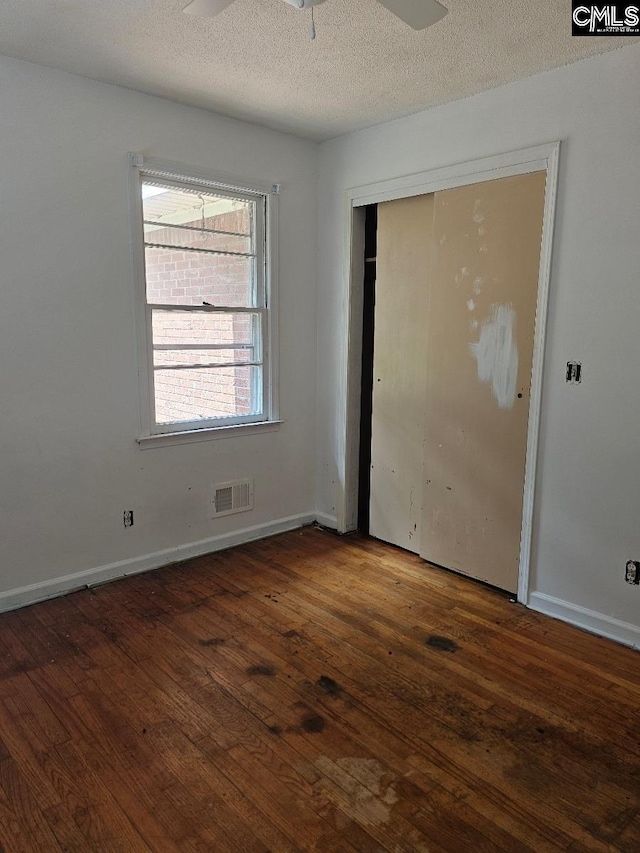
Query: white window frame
pixel 266 197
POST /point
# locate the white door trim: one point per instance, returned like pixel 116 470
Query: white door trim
pixel 535 159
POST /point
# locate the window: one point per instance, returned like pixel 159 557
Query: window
pixel 205 289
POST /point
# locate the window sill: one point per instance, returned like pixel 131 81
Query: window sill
pixel 166 439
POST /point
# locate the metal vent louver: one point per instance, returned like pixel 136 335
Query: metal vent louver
pixel 231 497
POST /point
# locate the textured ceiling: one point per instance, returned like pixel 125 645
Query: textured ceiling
pixel 256 61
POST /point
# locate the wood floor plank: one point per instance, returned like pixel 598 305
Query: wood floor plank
pixel 311 692
pixel 282 596
pixel 307 830
pixel 344 744
pixel 25 806
pixel 432 664
pixel 14 834
pixel 245 807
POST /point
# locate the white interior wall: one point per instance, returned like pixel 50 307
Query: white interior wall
pixel 586 519
pixel 69 462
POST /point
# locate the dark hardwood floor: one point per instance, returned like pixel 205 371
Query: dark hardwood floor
pixel 310 692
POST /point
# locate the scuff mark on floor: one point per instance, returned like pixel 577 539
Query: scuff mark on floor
pixel 442 644
pixel 361 782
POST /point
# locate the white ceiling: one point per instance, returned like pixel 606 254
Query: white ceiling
pixel 256 61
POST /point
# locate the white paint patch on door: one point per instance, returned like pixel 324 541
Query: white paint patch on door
pixel 497 354
pixel 460 276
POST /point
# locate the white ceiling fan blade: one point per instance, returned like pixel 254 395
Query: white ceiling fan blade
pixel 419 14
pixel 207 8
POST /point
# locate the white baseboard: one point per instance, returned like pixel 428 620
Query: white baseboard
pixel 329 521
pixel 12 599
pixel 589 620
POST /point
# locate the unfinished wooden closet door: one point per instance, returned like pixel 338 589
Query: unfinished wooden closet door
pixel 405 241
pixel 479 349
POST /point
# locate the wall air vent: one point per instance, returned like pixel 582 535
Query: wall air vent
pixel 231 497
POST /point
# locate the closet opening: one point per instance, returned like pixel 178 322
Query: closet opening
pixel 366 389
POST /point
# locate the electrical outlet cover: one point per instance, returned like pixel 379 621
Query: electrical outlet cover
pixel 632 572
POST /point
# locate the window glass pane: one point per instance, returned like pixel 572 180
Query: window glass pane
pixel 206 393
pixel 226 354
pixel 193 206
pixel 196 218
pixel 204 328
pixel 198 240
pixel 177 277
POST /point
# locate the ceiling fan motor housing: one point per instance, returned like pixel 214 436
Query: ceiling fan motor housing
pixel 303 4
